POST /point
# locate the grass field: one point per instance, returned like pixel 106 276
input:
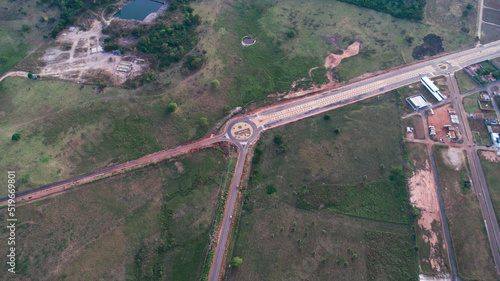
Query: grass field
pixel 416 123
pixel 325 211
pixel 82 129
pixel 467 231
pixel 15 42
pixel 150 224
pixel 491 172
pixel 465 83
pixel 480 132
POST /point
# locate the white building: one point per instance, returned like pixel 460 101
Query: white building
pixel 495 138
pixel 432 88
pixel 417 102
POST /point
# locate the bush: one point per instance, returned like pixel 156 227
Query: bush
pixel 16 136
pixel 171 107
pixel 278 139
pixel 236 262
pixel 25 28
pixel 326 117
pixel 30 75
pixel 270 189
pixel 203 121
pixel 291 33
pixel 215 84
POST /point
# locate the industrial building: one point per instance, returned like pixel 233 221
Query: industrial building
pixel 417 102
pixel 432 88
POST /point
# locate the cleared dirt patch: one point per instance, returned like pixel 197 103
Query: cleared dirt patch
pixel 454 158
pixel 491 156
pixel 423 195
pixel 332 60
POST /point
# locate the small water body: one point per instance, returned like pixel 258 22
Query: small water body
pixel 248 40
pixel 138 9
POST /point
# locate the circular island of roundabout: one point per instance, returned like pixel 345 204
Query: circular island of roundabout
pixel 241 131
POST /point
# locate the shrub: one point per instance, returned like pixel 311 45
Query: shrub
pixel 270 189
pixel 278 139
pixel 236 262
pixel 326 117
pixel 291 33
pixel 215 84
pixel 336 131
pixel 203 121
pixel 171 107
pixel 16 136
pixel 25 28
pixel 30 75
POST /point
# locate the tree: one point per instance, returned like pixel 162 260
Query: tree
pixel 25 28
pixel 470 6
pixel 171 107
pixel 465 13
pixel 291 33
pixel 215 84
pixel 236 262
pixel 16 136
pixel 270 189
pixel 326 117
pixel 30 75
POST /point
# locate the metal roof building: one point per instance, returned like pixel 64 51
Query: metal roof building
pixel 417 102
pixel 432 88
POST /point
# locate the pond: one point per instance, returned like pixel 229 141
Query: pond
pixel 138 9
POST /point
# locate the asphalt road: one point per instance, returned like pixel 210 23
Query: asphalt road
pixel 290 112
pixel 478 180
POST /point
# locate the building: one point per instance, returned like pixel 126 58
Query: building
pixel 432 88
pixel 495 138
pixel 417 102
pixel 454 119
pixel 432 130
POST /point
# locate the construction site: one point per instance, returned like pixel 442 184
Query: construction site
pixel 443 124
pixel 79 56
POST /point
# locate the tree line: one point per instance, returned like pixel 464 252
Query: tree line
pixel 410 9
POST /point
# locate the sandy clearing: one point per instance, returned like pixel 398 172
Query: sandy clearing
pixel 454 157
pixel 332 60
pixel 423 195
pixel 491 156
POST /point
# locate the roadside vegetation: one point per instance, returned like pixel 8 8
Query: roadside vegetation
pixel 84 129
pixel 322 218
pixel 150 224
pixel 468 233
pixel 491 170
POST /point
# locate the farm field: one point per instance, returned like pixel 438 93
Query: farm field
pixel 324 218
pixel 467 231
pixel 490 164
pixel 68 129
pixel 152 223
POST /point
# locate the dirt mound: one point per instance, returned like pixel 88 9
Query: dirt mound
pixel 332 60
pixel 432 46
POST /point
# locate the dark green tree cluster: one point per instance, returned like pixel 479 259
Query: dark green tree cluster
pixel 71 10
pixel 170 42
pixel 411 9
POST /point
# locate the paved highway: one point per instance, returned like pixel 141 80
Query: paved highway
pixel 478 180
pixel 282 114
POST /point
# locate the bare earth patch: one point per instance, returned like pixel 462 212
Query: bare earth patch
pixel 454 157
pixel 332 60
pixel 491 156
pixel 423 195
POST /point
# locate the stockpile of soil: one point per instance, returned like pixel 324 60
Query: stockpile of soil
pixel 432 46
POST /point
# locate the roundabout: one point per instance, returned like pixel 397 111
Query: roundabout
pixel 241 131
